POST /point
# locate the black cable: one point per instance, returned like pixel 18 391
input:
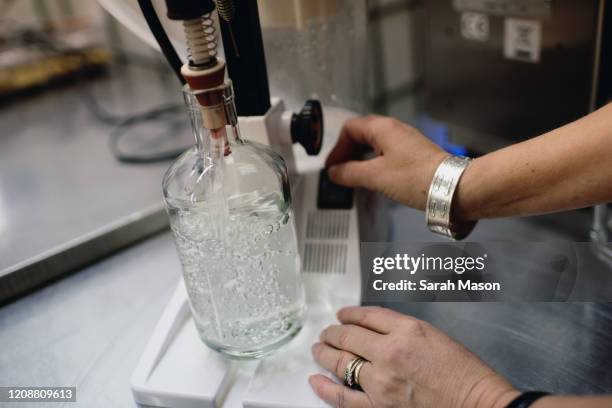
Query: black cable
pixel 161 37
pixel 107 118
pixel 121 123
pixel 124 124
pixel 120 130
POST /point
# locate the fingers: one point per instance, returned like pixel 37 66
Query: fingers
pixel 354 339
pixel 366 173
pixel 338 395
pixel 355 138
pixel 336 361
pixel 375 318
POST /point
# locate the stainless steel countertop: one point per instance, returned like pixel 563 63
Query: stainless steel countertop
pixel 60 186
pixel 89 329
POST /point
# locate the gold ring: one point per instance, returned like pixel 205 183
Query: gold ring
pixel 351 372
pixel 357 371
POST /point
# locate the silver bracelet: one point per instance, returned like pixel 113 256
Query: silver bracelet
pixel 440 199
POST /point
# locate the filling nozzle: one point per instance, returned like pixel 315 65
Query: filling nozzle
pixel 217 106
pixel 204 70
pixel 218 111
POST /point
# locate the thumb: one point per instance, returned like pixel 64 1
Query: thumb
pixel 356 173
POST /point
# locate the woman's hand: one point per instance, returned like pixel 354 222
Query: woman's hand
pixel 410 364
pixel 404 165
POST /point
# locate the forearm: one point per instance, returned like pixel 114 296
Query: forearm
pixel 573 402
pixel 567 168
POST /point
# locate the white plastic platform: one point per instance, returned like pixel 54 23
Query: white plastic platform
pixel 177 370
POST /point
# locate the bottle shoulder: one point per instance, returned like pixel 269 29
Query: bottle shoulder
pixel 251 169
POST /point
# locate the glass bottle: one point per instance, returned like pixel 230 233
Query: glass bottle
pixel 230 210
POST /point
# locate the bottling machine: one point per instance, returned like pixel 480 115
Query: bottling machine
pixel 176 369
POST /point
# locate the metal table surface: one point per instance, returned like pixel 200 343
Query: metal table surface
pixel 90 328
pixel 60 186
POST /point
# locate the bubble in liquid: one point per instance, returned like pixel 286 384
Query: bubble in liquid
pixel 234 288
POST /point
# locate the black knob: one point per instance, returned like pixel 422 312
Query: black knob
pixel 307 127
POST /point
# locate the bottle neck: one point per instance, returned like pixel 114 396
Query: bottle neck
pixel 218 142
pixel 214 119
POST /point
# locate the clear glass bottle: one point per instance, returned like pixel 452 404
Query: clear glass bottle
pixel 230 209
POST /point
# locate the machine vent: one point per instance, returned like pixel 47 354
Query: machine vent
pixel 328 224
pixel 325 258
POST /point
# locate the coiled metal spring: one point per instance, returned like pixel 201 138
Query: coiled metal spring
pixel 226 9
pixel 201 36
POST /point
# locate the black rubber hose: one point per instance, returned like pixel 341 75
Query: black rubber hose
pixel 161 37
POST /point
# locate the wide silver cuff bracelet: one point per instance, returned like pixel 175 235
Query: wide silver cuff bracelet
pixel 440 199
